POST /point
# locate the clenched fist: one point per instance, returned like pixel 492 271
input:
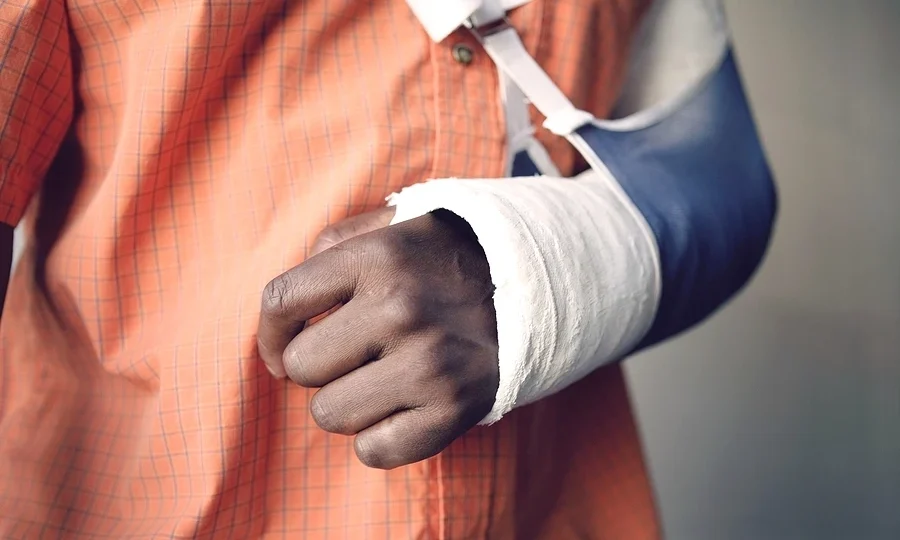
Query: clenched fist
pixel 408 361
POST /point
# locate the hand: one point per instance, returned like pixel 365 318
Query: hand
pixel 408 362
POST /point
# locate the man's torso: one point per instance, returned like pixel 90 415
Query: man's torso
pixel 212 141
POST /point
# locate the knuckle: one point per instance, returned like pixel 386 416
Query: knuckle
pixel 405 309
pixel 397 249
pixel 445 414
pixel 462 376
pixel 391 245
pixel 427 371
pixel 329 237
pixel 276 296
pixel 326 413
pixel 443 357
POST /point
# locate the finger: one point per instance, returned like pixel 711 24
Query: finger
pixel 336 345
pixel 408 436
pixel 307 290
pixel 352 226
pixel 365 396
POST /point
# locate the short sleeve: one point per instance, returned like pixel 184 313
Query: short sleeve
pixel 36 97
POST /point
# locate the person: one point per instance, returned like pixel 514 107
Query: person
pixel 219 329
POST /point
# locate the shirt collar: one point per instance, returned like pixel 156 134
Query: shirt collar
pixel 441 17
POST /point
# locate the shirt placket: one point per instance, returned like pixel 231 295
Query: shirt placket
pixel 469 143
pixel 470 134
pixel 468 482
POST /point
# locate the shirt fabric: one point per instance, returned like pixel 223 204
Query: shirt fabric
pixel 176 155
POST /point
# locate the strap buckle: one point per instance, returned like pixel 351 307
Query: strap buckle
pixel 486 30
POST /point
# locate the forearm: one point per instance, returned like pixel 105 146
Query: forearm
pixel 575 271
pixel 670 222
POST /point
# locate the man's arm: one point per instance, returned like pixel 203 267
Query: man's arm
pixel 671 221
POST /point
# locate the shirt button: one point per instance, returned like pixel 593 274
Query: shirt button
pixel 463 54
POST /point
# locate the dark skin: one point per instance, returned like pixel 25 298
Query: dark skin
pixel 408 360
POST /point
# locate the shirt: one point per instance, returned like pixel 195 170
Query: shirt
pixel 176 155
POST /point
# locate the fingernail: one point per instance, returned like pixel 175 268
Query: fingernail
pixel 274 373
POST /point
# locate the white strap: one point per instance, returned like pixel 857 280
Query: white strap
pixel 518 121
pixel 520 132
pixel 507 51
pixel 501 41
pixel 520 74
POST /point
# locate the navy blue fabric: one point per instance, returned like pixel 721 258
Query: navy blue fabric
pixel 701 180
pixel 524 166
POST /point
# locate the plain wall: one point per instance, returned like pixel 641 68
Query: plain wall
pixel 780 417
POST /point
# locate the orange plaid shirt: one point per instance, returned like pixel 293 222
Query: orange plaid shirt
pixel 173 156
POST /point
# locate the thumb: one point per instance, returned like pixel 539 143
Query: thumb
pixel 345 230
pixel 350 227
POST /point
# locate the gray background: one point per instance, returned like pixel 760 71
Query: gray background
pixel 780 417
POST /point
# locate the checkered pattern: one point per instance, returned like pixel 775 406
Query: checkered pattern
pixel 177 155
